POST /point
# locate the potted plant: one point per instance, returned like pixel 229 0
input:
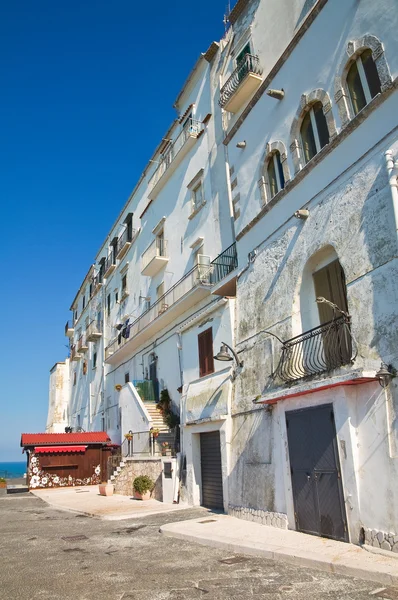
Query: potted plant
pixel 155 432
pixel 166 450
pixel 3 482
pixel 118 387
pixel 128 436
pixel 105 488
pixel 143 486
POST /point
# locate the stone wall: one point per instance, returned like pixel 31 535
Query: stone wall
pixel 134 467
pixel 380 539
pixel 263 517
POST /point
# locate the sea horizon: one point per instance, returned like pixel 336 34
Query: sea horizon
pixel 12 469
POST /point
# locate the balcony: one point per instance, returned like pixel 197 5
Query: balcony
pixel 186 293
pixel 124 242
pixel 82 345
pixel 223 272
pixel 74 355
pixel 155 257
pixel 109 264
pixel 316 351
pixel 173 155
pixel 98 282
pixel 241 85
pixel 69 329
pixel 94 331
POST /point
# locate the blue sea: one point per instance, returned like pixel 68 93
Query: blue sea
pixel 12 470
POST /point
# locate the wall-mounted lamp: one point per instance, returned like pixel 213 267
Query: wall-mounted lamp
pixel 302 214
pixel 224 355
pixel 277 94
pixel 385 374
pixel 241 145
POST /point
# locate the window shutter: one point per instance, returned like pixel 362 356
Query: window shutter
pixel 205 345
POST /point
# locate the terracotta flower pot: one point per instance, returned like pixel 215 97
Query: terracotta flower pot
pixel 106 489
pixel 145 496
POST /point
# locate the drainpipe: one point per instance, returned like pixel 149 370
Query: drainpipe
pixel 392 170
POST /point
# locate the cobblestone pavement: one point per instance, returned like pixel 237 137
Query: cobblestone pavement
pixel 47 554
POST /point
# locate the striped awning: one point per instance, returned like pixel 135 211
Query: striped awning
pixel 63 449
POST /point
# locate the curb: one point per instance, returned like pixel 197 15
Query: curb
pixel 288 555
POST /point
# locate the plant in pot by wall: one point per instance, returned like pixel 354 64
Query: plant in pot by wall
pixel 166 450
pixel 155 432
pixel 128 436
pixel 118 387
pixel 143 486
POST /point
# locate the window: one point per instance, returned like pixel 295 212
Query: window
pixel 363 81
pixel 126 377
pixel 160 243
pixel 116 297
pixel 124 285
pixel 90 290
pixel 276 179
pixel 197 196
pixel 84 302
pixel 241 56
pixel 108 304
pixel 329 282
pixel 94 360
pixel 74 377
pixel 205 345
pixel 314 131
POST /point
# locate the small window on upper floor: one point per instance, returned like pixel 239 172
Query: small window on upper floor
pixel 242 54
pixel 205 348
pixel 363 81
pixel 94 360
pixel 276 179
pixel 108 305
pixel 197 193
pixel 126 377
pixel 314 131
pixel 84 302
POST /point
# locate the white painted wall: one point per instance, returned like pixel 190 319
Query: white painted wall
pixel 57 417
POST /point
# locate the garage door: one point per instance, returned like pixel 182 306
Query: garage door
pixel 210 454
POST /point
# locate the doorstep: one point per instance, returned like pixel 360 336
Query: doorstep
pixel 244 537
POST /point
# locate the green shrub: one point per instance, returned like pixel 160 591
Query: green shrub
pixel 143 484
pixel 3 480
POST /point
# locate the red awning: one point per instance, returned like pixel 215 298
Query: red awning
pixel 64 449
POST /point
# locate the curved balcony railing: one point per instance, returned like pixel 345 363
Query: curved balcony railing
pixel 318 350
pixel 248 64
pixel 224 264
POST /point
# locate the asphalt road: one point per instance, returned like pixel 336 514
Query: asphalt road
pixel 46 554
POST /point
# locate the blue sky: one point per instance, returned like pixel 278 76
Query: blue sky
pixel 87 89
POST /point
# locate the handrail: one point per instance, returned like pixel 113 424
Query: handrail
pixel 224 264
pixel 248 64
pixel 199 275
pixel 191 128
pixel 125 238
pixel 110 260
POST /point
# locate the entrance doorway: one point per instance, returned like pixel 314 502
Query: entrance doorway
pixel 316 477
pixel 210 456
pixel 153 376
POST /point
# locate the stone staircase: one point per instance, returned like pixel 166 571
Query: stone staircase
pixel 165 435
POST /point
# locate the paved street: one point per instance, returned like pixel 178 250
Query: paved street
pixel 47 554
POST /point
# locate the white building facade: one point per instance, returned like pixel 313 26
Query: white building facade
pixel 275 186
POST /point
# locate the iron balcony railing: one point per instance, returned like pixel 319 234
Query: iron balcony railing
pixel 98 279
pixel 318 350
pixel 145 389
pixel 224 264
pixel 191 129
pixel 157 248
pixel 199 275
pixel 125 238
pixel 248 64
pixel 110 261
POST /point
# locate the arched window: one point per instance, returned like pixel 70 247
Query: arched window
pixel 363 81
pixel 314 131
pixel 276 179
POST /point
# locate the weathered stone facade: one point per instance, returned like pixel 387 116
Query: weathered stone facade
pixel 380 539
pixel 133 468
pixel 263 517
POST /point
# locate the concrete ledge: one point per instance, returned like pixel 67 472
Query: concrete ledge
pixel 295 548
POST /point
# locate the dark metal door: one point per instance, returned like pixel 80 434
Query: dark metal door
pixel 210 455
pixel 315 469
pixel 154 377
